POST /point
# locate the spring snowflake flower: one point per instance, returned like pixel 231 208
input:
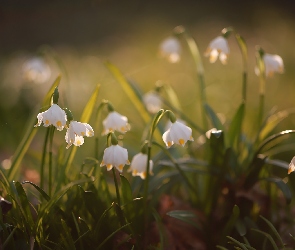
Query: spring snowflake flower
pixel 170 48
pixel 138 165
pixel 272 63
pixel 152 101
pixel 115 156
pixel 178 133
pixel 76 131
pixel 53 116
pixel 36 70
pixel 218 47
pixel 115 121
pixel 291 166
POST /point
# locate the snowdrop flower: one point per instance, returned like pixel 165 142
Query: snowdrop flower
pixel 169 123
pixel 115 156
pixel 53 116
pixel 76 131
pixel 208 133
pixel 291 166
pixel 178 133
pixel 272 63
pixel 152 101
pixel 115 121
pixel 36 70
pixel 170 48
pixel 218 47
pixel 138 165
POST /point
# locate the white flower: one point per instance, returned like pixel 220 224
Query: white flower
pixel 76 131
pixel 178 133
pixel 272 63
pixel 208 133
pixel 152 101
pixel 115 121
pixel 170 48
pixel 138 165
pixel 218 47
pixel 36 70
pixel 115 156
pixel 169 123
pixel 291 166
pixel 53 116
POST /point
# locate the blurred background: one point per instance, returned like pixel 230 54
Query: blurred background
pixel 41 39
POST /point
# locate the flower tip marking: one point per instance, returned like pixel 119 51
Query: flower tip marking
pixel 181 142
pixel 109 167
pixel 120 167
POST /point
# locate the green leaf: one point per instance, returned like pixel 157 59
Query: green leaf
pixel 254 171
pixel 269 237
pixel 66 236
pixel 172 97
pixel 283 187
pixel 274 230
pixel 40 190
pixel 234 131
pixel 216 123
pixel 240 227
pixel 231 222
pixel 160 228
pixel 217 148
pixel 25 206
pixel 129 91
pixel 85 117
pixel 272 138
pixel 241 245
pixel 185 216
pixel 126 190
pixel 132 96
pixel 29 135
pixel 271 122
pixel 111 235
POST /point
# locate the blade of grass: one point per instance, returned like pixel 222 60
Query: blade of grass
pixel 85 117
pixel 273 230
pixel 29 135
pixel 268 236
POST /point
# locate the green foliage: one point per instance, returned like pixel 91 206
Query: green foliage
pixel 210 193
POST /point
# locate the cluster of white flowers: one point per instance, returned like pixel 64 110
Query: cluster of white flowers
pixel 218 48
pixel 58 118
pixel 117 156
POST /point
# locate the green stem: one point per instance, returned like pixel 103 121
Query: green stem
pixel 193 48
pixel 52 129
pixel 109 139
pixel 181 172
pixel 117 187
pixel 261 110
pixel 244 87
pixel 44 158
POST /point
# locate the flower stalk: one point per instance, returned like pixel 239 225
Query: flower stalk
pixel 193 47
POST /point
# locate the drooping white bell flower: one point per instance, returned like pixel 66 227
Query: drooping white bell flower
pixel 36 70
pixel 152 101
pixel 115 121
pixel 272 63
pixel 76 131
pixel 170 48
pixel 218 47
pixel 115 156
pixel 178 133
pixel 291 166
pixel 53 116
pixel 139 164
